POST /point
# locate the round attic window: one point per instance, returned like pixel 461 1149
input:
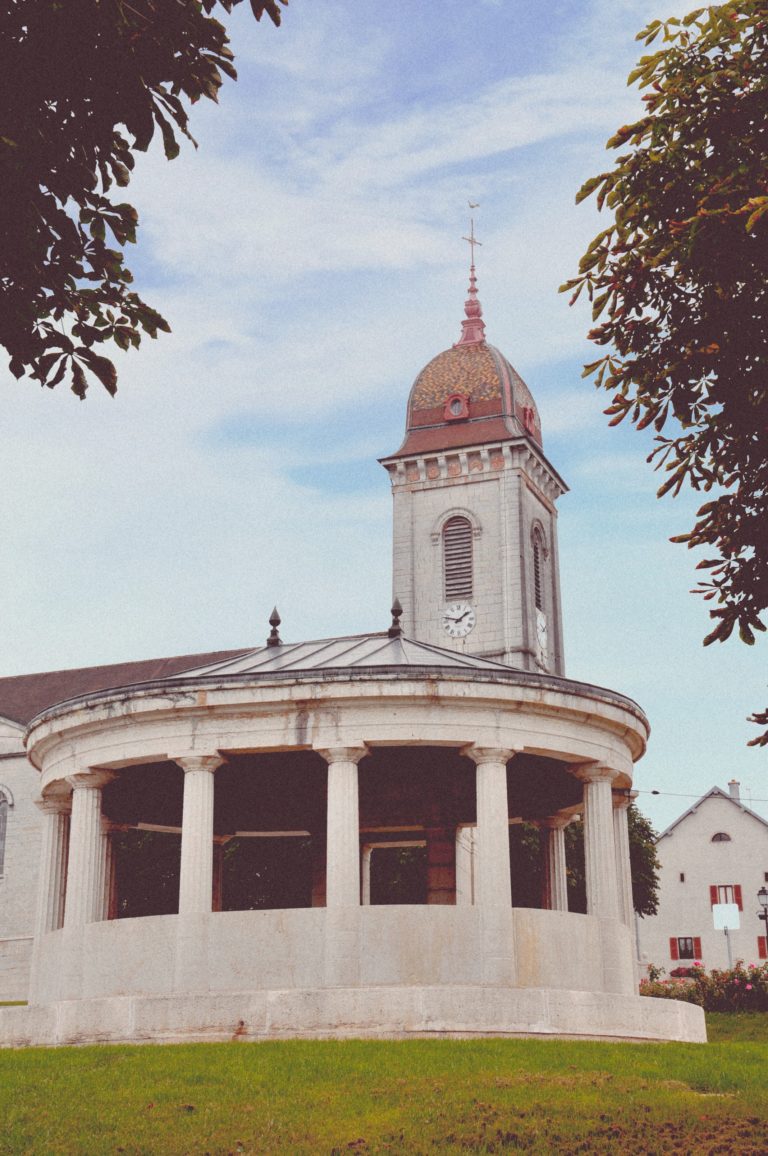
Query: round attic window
pixel 720 837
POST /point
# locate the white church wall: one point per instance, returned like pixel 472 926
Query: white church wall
pixel 18 871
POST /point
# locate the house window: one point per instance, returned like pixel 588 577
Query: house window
pixel 457 557
pixel 720 837
pixel 682 876
pixel 685 947
pixel 3 828
pixel 725 893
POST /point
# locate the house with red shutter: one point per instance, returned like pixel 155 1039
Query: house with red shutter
pixel 715 852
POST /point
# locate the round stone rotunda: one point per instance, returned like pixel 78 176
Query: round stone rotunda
pixel 328 769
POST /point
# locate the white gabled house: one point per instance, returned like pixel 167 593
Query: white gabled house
pixel 715 852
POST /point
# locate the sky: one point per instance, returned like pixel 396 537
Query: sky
pixel 309 257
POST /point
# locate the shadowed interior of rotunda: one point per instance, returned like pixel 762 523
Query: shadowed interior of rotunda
pixel 417 821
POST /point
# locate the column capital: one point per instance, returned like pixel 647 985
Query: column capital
pixel 54 804
pixel 622 797
pixel 93 779
pixel 210 763
pixel 594 773
pixel 555 822
pixel 351 754
pixel 481 755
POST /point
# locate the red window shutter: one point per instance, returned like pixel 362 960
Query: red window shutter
pixel 737 895
pixel 762 947
pixel 712 894
pixel 697 947
pixel 673 948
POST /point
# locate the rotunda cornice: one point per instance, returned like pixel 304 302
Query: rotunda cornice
pixel 289 709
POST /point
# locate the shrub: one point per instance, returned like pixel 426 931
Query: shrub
pixel 741 988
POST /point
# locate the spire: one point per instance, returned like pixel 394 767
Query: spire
pixel 473 327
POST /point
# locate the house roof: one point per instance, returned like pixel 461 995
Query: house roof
pixel 25 695
pixel 715 792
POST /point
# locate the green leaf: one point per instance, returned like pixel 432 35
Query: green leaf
pixel 79 384
pixel 758 213
pixel 102 367
pixel 588 187
pixel 170 144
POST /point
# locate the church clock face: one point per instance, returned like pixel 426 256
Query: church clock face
pixel 541 635
pixel 458 618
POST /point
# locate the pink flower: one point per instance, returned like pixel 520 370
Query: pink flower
pixel 749 987
pixel 736 982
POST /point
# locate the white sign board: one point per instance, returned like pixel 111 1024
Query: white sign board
pixel 726 916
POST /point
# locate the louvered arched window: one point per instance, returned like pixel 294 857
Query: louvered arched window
pixel 3 828
pixel 457 557
pixel 538 563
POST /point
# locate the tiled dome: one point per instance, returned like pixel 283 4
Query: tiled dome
pixel 481 373
pixel 469 394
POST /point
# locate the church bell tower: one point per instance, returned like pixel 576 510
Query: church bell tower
pixel 475 526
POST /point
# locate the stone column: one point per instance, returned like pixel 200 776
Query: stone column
pixel 196 874
pixel 492 881
pixel 53 864
pixel 342 877
pixel 599 852
pixel 109 890
pixel 555 874
pixel 86 868
pixel 466 858
pixel 621 801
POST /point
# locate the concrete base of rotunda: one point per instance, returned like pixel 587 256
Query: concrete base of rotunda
pixel 353 971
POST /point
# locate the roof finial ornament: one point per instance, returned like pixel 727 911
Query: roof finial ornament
pixel 473 326
pixel 274 634
pixel 396 629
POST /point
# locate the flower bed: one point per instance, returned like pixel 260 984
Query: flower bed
pixel 741 988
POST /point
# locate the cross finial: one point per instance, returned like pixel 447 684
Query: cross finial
pixel 472 239
pixel 473 327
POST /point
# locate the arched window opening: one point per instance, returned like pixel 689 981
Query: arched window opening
pixel 3 828
pixel 457 557
pixel 538 588
pixel 720 837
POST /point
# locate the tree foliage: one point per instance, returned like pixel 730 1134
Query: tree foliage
pixel 87 84
pixel 526 847
pixel 642 857
pixel 679 290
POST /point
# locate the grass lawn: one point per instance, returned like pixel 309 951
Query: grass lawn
pixel 413 1096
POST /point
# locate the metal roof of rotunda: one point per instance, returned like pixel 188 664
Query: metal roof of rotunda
pixel 469 394
pixel 357 650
